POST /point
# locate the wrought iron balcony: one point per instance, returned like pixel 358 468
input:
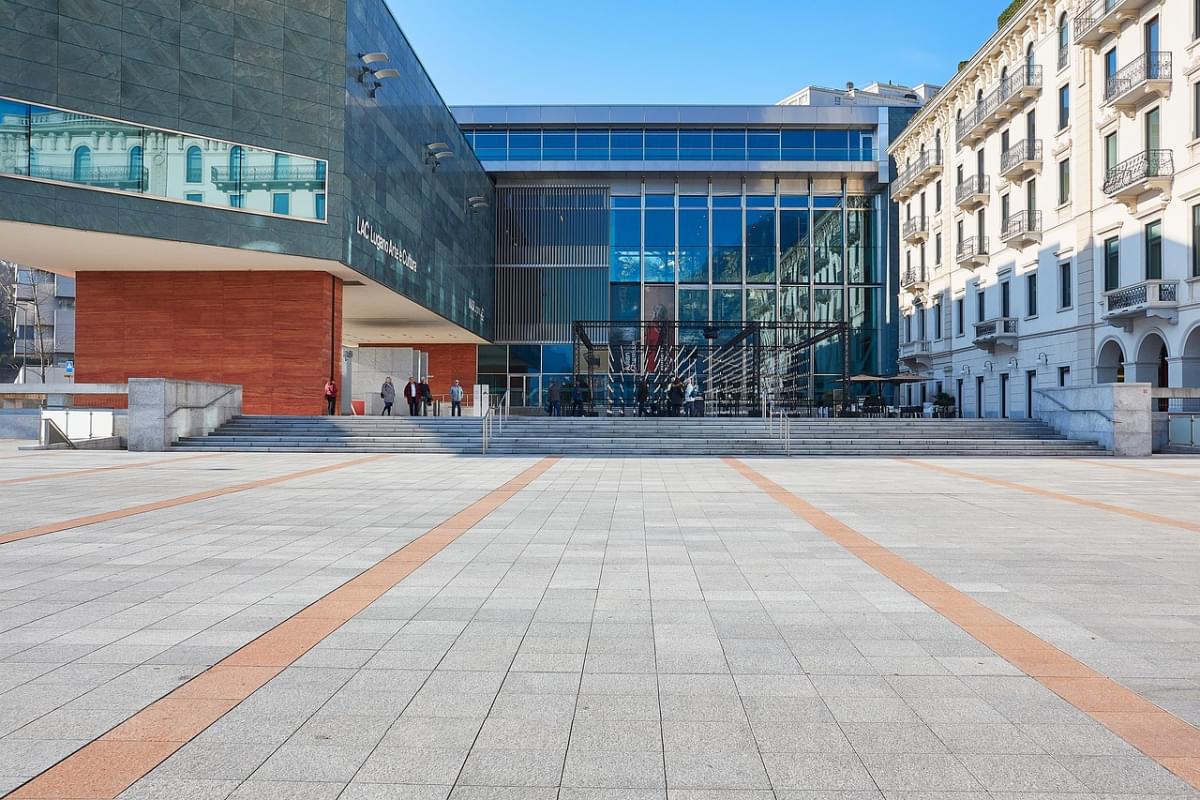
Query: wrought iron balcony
pixel 118 177
pixel 1145 172
pixel 973 125
pixel 1018 87
pixel 916 230
pixel 1021 160
pixel 998 332
pixel 973 192
pixel 914 280
pixel 1022 229
pixel 1147 77
pixel 292 176
pixel 915 353
pixel 911 179
pixel 972 252
pixel 1152 298
pixel 1102 17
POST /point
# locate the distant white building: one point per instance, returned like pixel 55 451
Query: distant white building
pixel 1050 208
pixel 873 94
pixel 43 319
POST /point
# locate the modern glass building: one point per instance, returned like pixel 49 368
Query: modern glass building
pixel 697 216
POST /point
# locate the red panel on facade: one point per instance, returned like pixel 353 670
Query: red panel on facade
pixel 278 334
pixel 446 362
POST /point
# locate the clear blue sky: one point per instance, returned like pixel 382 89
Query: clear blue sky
pixel 684 51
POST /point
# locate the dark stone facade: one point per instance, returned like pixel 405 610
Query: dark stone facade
pixel 279 75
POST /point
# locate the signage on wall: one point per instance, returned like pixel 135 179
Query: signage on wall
pixel 474 309
pixel 384 244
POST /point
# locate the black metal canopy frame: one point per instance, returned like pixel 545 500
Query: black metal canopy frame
pixel 737 367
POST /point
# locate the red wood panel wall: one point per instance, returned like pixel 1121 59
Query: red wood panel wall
pixel 278 334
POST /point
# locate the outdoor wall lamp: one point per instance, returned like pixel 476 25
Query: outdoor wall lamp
pixel 376 75
pixel 966 370
pixel 435 152
pixel 1043 359
pixel 987 365
pixel 1012 362
pixel 477 203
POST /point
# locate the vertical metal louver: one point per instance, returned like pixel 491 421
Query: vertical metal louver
pixel 552 254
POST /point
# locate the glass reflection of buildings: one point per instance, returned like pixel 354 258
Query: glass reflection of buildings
pixel 774 223
pixel 51 144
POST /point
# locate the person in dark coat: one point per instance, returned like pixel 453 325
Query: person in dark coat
pixel 426 396
pixel 576 401
pixel 412 395
pixel 388 393
pixel 675 397
pixel 643 397
pixel 555 394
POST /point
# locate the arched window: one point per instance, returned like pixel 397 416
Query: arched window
pixel 82 170
pixel 236 157
pixel 281 165
pixel 1064 44
pixel 937 146
pixel 1029 55
pixel 135 163
pixel 1004 75
pixel 195 164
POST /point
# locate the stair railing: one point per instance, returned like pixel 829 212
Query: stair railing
pixel 486 427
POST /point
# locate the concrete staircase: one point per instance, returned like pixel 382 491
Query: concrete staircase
pixel 635 437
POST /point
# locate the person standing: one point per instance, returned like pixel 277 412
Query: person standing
pixel 426 396
pixel 675 397
pixel 331 396
pixel 555 399
pixel 388 393
pixel 412 395
pixel 576 400
pixel 689 398
pixel 643 396
pixel 456 398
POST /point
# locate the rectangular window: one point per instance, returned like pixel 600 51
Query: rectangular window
pixel 1005 300
pixel 1064 107
pixel 959 313
pixel 279 203
pixel 1065 291
pixel 1064 376
pixel 1031 294
pixel 1154 251
pixel 937 253
pixel 1196 108
pixel 1064 181
pixel 1110 151
pixel 1112 264
pixel 320 206
pixel 980 305
pixel 194 197
pixel 1196 237
pixel 236 200
pixel 937 320
pixel 937 187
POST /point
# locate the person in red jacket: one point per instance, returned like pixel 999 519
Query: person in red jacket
pixel 331 396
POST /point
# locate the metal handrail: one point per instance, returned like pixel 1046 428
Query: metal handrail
pixel 1065 407
pixel 1155 290
pixel 1146 164
pixel 291 172
pixel 972 246
pixel 1022 222
pixel 972 185
pixel 111 174
pixel 916 225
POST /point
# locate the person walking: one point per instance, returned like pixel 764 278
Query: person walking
pixel 555 393
pixel 456 398
pixel 576 401
pixel 412 395
pixel 388 393
pixel 426 396
pixel 331 396
pixel 643 396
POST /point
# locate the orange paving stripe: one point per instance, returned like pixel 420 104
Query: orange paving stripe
pixel 1162 736
pixel 92 470
pixel 121 513
pixel 1066 498
pixel 1147 470
pixel 107 766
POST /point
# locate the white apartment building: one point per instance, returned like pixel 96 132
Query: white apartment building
pixel 1050 208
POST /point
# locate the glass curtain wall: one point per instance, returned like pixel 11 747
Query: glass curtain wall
pixel 751 257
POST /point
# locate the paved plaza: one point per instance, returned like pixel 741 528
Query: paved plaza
pixel 303 627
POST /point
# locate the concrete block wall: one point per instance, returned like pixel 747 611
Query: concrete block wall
pixel 162 411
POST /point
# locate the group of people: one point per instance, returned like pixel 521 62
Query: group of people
pixel 554 400
pixel 681 398
pixel 417 394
